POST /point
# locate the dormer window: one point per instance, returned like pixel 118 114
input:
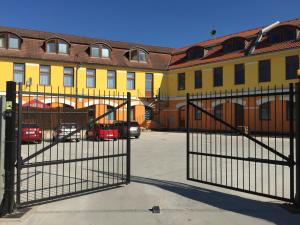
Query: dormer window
pixel 57 46
pixel 10 41
pixel 138 55
pixel 282 34
pixel 13 42
pixel 63 47
pixel 100 51
pixel 195 52
pixel 2 41
pixel 234 44
pixel 51 46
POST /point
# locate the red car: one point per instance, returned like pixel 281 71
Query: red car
pixel 31 133
pixel 102 131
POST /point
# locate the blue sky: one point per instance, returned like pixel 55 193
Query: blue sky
pixel 173 23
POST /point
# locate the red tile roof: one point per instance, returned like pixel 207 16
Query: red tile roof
pixel 215 54
pixel 33 48
pixel 160 58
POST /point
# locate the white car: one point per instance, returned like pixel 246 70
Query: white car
pixel 65 129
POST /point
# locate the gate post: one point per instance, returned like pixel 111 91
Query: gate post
pixel 187 135
pixel 297 191
pixel 128 146
pixel 8 203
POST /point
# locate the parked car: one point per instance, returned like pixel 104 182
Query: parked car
pixel 31 133
pixel 102 131
pixel 65 129
pixel 134 130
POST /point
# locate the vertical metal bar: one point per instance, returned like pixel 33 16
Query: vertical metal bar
pixel 187 135
pixel 291 109
pixel 128 146
pixel 19 144
pixel 297 191
pixel 8 202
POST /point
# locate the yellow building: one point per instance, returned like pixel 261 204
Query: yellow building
pixel 157 77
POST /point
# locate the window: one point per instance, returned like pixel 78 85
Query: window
pixel 112 115
pixel 265 111
pixel 105 52
pixel 45 75
pixel 130 80
pixel 90 78
pixel 291 67
pixel 195 52
pixel 264 71
pixel 2 41
pixel 132 113
pixel 138 55
pixel 99 50
pixel 134 55
pixel 149 82
pixel 142 56
pixel 148 113
pixel 234 44
pixel 198 114
pixel 198 79
pixel 13 42
pixel 19 73
pixel 111 79
pixel 10 41
pixel 62 47
pixel 51 47
pixel 68 77
pixel 218 76
pixel 288 113
pixel 95 51
pixel 239 74
pixel 282 34
pixel 181 81
pixel 218 111
pixel 57 46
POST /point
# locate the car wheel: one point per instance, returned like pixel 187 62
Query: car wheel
pixel 137 137
pixel 77 140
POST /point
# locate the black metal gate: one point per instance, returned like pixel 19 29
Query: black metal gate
pixel 69 156
pixel 255 155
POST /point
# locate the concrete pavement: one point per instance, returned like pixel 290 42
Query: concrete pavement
pixel 158 178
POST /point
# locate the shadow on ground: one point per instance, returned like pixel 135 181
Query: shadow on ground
pixel 268 211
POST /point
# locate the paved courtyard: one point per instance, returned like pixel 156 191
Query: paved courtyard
pixel 158 178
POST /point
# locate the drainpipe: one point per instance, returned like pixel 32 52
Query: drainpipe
pixel 78 66
pixel 261 34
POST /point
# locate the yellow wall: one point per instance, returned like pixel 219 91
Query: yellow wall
pixel 57 71
pixel 166 81
pixel 251 74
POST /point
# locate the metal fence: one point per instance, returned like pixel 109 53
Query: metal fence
pixel 243 140
pixel 68 145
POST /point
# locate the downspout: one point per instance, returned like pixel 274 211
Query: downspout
pixel 260 36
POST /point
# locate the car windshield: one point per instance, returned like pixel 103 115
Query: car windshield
pixel 30 126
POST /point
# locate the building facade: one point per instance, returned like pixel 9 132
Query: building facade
pixel 158 78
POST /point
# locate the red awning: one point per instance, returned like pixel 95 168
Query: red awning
pixel 36 104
